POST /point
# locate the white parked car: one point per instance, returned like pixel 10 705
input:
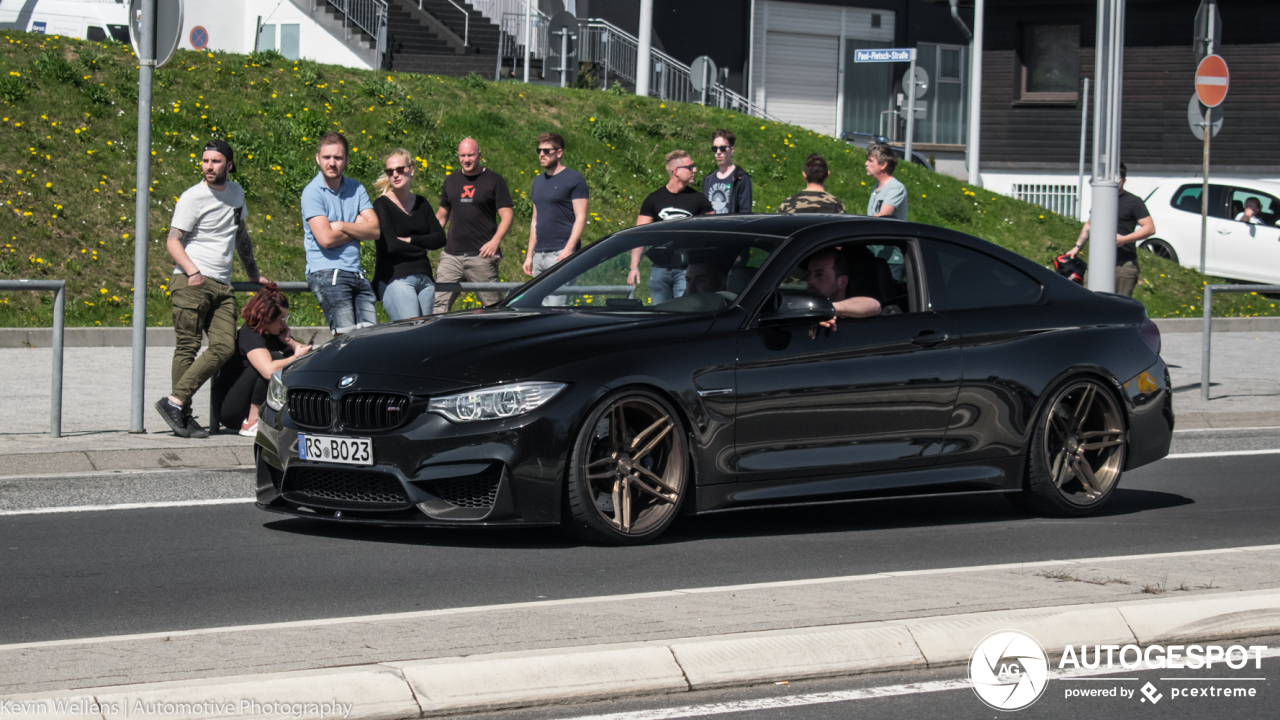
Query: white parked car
pixel 95 20
pixel 1236 249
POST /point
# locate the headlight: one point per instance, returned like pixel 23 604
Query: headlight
pixel 277 393
pixel 494 403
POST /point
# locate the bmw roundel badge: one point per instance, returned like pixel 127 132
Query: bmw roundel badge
pixel 347 381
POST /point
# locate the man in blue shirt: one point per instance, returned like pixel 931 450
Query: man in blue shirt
pixel 560 199
pixel 337 215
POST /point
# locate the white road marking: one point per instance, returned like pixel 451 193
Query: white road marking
pixel 1223 453
pixel 758 704
pixel 125 473
pixel 1197 430
pixel 322 622
pixel 125 506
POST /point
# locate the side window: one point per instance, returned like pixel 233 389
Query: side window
pixel 858 269
pixel 1187 199
pixel 97 34
pixel 1266 207
pixel 960 279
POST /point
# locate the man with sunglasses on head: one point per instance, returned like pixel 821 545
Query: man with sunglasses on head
pixel 673 201
pixel 337 215
pixel 477 202
pixel 560 199
pixel 208 221
pixel 729 187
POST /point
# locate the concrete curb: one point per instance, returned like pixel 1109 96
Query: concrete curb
pixel 395 690
pixel 132 459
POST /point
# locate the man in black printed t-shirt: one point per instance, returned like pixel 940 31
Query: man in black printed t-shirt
pixel 673 201
pixel 1133 224
pixel 475 207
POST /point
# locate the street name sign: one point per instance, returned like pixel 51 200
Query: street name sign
pixel 885 55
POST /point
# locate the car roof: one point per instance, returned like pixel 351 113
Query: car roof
pixel 1270 186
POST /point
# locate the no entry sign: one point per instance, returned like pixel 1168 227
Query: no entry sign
pixel 1212 80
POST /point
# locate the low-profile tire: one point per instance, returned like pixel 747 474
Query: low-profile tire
pixel 1077 452
pixel 1160 248
pixel 629 470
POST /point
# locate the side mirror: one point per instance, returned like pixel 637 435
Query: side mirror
pixel 794 307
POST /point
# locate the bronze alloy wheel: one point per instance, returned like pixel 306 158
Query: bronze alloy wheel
pixel 1078 452
pixel 629 471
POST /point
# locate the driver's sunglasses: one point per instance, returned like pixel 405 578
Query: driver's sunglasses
pixel 546 151
pixel 402 170
pixel 721 148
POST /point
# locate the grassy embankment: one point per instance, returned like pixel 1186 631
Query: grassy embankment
pixel 67 165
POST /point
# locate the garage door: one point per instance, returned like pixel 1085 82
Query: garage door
pixel 800 77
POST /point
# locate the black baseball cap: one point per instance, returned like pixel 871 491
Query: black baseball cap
pixel 225 148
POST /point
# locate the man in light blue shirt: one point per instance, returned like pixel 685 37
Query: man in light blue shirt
pixel 337 215
pixel 889 197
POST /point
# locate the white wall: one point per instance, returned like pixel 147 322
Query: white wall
pixel 231 25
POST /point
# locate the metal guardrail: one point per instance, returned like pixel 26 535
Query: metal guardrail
pixel 59 288
pixel 367 15
pixel 466 21
pixel 1206 337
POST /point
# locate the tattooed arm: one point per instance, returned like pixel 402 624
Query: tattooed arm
pixel 180 257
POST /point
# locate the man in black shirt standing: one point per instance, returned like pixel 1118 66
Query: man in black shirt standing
pixel 478 202
pixel 673 201
pixel 1133 224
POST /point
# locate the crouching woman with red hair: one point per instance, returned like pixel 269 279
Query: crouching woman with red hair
pixel 263 346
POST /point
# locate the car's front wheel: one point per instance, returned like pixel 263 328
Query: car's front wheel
pixel 1077 451
pixel 629 470
pixel 1160 248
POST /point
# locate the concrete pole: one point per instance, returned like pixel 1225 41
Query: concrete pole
pixel 141 210
pixel 1108 76
pixel 911 107
pixel 975 93
pixel 528 35
pixel 643 58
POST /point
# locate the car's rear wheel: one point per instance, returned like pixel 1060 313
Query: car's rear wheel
pixel 1077 451
pixel 629 470
pixel 1162 249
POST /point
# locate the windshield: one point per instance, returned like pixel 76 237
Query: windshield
pixel 683 272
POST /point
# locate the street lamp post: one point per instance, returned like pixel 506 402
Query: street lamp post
pixel 1108 76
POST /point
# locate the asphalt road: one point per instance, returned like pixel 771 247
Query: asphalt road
pixel 946 693
pixel 85 574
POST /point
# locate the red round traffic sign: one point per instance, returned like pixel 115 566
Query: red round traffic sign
pixel 1212 80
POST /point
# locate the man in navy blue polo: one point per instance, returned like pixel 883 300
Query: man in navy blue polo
pixel 337 215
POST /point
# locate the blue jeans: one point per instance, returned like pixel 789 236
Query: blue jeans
pixel 665 284
pixel 345 297
pixel 408 297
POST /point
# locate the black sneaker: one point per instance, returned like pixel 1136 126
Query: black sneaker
pixel 195 429
pixel 173 415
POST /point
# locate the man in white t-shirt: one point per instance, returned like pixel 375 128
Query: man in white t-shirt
pixel 208 221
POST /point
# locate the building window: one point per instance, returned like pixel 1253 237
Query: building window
pixel 1050 60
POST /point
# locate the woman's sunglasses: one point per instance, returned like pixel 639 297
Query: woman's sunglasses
pixel 403 170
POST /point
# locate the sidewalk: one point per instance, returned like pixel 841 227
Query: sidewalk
pixel 96 390
pixel 484 658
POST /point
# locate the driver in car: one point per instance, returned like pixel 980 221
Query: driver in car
pixel 827 274
pixel 706 276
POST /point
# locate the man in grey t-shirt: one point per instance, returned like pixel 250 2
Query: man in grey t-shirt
pixel 889 197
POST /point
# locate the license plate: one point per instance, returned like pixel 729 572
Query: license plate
pixel 343 450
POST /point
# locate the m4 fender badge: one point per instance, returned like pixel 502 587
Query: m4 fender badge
pixel 347 381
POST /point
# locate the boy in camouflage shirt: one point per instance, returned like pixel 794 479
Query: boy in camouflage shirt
pixel 814 198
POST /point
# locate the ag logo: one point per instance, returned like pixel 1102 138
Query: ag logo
pixel 1008 670
pixel 347 381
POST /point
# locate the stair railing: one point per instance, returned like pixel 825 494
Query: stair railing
pixel 367 15
pixel 466 21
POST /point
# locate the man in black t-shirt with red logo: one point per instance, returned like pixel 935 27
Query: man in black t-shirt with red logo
pixel 673 201
pixel 475 207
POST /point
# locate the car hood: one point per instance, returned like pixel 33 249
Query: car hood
pixel 483 347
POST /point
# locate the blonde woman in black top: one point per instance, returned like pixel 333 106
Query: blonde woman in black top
pixel 402 275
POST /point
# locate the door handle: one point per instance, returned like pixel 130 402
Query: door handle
pixel 929 338
pixel 1222 231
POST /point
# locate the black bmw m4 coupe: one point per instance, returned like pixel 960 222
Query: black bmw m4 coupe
pixel 808 359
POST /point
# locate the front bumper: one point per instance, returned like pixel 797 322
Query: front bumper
pixel 429 472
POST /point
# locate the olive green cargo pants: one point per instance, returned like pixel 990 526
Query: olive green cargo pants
pixel 209 307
